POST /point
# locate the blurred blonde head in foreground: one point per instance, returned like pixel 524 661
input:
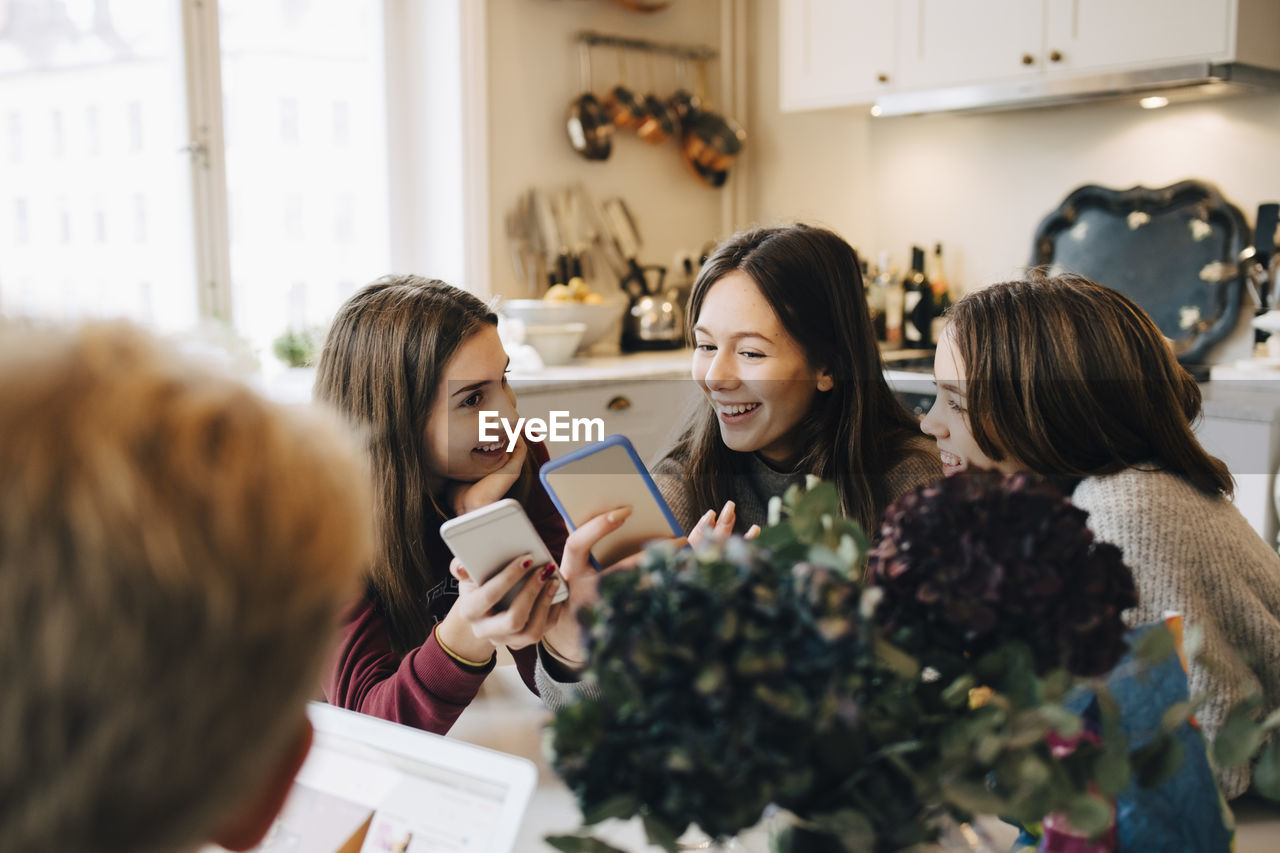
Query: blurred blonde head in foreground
pixel 174 551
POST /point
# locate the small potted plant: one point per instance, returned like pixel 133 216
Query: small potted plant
pixel 297 347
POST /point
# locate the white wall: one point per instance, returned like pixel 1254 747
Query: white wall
pixel 980 184
pixel 810 167
pixel 532 77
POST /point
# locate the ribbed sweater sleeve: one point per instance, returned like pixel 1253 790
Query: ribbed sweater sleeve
pixel 426 688
pixel 671 477
pixel 1196 554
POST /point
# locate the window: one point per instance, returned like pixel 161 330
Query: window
pixel 226 160
pixel 75 84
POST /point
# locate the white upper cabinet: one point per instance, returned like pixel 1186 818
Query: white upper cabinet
pixel 954 42
pixel 829 52
pixel 1096 35
pixel 836 52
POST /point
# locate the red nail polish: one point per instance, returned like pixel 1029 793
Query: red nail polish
pixel 526 564
pixel 547 571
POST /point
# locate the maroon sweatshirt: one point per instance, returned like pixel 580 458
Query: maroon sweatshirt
pixel 426 688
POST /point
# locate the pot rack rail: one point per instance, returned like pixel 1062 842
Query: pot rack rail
pixel 694 52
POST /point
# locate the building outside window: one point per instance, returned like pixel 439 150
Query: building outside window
pixel 106 205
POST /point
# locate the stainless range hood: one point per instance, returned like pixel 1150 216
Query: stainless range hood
pixel 1192 81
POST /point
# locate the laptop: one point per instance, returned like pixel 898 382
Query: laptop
pixel 370 786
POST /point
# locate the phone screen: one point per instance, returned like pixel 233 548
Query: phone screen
pixel 604 476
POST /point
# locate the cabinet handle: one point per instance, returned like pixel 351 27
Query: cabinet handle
pixel 882 77
pixel 1028 59
pixel 1055 56
pixel 618 404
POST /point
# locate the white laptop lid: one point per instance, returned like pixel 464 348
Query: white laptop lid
pixel 370 786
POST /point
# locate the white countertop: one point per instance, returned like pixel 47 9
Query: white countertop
pixel 1250 395
pixel 1235 394
pixel 602 370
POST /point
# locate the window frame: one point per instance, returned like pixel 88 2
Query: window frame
pixel 443 238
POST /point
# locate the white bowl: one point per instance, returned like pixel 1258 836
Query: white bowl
pixel 555 342
pixel 600 319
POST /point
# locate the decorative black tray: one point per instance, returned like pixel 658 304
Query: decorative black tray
pixel 1172 250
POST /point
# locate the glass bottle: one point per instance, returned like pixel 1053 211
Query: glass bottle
pixel 917 327
pixel 935 273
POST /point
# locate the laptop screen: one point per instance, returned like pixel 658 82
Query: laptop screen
pixel 369 786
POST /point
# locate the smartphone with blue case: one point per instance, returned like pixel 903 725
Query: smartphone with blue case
pixel 603 476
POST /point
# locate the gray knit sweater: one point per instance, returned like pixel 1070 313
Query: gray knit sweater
pixel 752 491
pixel 1196 554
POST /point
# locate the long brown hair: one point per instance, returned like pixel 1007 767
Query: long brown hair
pixel 1073 379
pixel 854 433
pixel 381 367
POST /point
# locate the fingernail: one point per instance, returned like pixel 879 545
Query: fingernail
pixel 708 515
pixel 618 514
pixel 527 562
pixel 547 571
pixel 728 507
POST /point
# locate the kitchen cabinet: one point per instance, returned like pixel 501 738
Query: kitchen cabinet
pixel 957 42
pixel 951 43
pixel 646 411
pixel 645 396
pixel 836 52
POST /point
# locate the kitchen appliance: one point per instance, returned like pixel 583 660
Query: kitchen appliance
pixel 654 320
pixel 1181 83
pixel 1173 250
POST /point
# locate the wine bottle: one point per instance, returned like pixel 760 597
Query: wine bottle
pixel 917 328
pixel 887 281
pixel 936 274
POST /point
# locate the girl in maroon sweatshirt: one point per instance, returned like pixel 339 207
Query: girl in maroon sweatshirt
pixel 411 362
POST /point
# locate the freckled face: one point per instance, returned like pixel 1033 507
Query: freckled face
pixel 948 419
pixel 474 380
pixel 754 374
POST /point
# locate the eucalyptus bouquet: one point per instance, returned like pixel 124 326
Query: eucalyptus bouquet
pixel 942 685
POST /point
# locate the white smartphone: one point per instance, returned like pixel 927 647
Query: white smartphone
pixel 600 477
pixel 488 538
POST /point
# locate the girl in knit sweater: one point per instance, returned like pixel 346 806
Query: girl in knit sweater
pixel 793 384
pixel 1073 381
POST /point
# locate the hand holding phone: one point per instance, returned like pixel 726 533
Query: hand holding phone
pixel 489 538
pixel 600 477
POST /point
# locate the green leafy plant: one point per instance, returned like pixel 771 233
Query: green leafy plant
pixel 297 347
pixel 947 685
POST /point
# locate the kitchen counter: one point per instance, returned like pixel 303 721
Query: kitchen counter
pixel 604 370
pixel 1242 395
pixel 675 364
